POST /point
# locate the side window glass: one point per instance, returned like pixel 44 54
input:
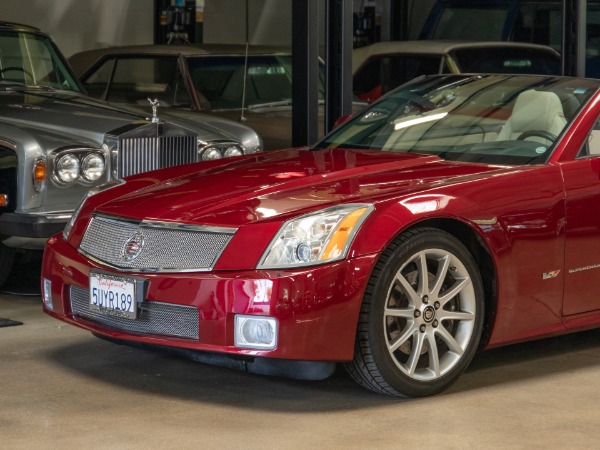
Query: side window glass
pixel 97 82
pixel 136 79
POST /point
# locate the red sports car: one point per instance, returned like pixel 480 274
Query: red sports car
pixel 457 213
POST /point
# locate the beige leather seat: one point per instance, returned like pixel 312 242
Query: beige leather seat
pixel 534 111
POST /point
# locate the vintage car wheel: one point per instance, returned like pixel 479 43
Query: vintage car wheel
pixel 7 257
pixel 421 317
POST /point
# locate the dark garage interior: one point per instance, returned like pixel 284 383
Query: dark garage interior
pixel 403 238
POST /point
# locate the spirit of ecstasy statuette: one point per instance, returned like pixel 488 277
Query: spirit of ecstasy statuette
pixel 154 103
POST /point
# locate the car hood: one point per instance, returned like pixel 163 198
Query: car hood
pixel 74 113
pixel 71 117
pixel 277 185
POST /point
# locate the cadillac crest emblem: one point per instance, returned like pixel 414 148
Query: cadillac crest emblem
pixel 133 247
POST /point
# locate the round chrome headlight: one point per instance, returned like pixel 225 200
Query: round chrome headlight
pixel 211 153
pixel 92 167
pixel 233 151
pixel 67 168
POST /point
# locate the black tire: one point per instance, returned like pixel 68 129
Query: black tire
pixel 7 259
pixel 413 339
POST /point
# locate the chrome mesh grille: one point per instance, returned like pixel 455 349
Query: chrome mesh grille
pixel 142 154
pixel 164 319
pixel 163 249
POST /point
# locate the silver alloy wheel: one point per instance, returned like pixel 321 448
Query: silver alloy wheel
pixel 429 314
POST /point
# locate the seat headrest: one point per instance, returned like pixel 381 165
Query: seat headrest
pixel 536 110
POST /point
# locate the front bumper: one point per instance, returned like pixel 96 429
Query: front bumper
pixel 316 308
pixel 30 230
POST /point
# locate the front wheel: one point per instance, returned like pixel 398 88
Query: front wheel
pixel 421 317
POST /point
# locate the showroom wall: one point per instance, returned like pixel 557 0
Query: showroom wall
pixel 77 25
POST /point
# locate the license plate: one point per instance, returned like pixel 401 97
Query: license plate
pixel 115 295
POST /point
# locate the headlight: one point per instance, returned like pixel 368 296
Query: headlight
pixel 88 194
pixel 77 164
pixel 67 168
pixel 212 150
pixel 316 238
pixel 92 167
pixel 211 153
pixel 233 151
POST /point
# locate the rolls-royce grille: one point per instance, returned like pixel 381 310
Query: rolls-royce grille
pixel 142 154
pixel 164 319
pixel 148 246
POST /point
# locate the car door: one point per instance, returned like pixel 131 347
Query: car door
pixel 582 251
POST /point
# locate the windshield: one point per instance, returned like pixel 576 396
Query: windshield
pixel 220 79
pixel 507 60
pixel 382 73
pixel 491 119
pixel 31 60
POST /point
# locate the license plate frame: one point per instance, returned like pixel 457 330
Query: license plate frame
pixel 116 295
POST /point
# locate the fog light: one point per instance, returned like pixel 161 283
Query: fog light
pixel 255 332
pixel 47 293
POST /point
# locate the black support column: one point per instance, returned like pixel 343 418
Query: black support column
pixel 305 69
pixel 338 58
pixel 574 37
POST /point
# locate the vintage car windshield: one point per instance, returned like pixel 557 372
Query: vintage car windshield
pixel 506 60
pixel 491 119
pixel 31 60
pixel 221 79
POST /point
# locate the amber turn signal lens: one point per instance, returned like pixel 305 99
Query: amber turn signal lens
pixel 3 200
pixel 39 172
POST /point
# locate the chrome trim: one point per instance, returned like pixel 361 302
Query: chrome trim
pixel 9 144
pixel 169 225
pixel 187 227
pixel 142 154
pixel 51 216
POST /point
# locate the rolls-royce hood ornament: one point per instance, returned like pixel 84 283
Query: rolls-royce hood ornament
pixel 155 104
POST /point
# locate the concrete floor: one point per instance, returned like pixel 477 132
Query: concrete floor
pixel 63 388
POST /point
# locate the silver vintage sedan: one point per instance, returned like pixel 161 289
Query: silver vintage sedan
pixel 56 143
